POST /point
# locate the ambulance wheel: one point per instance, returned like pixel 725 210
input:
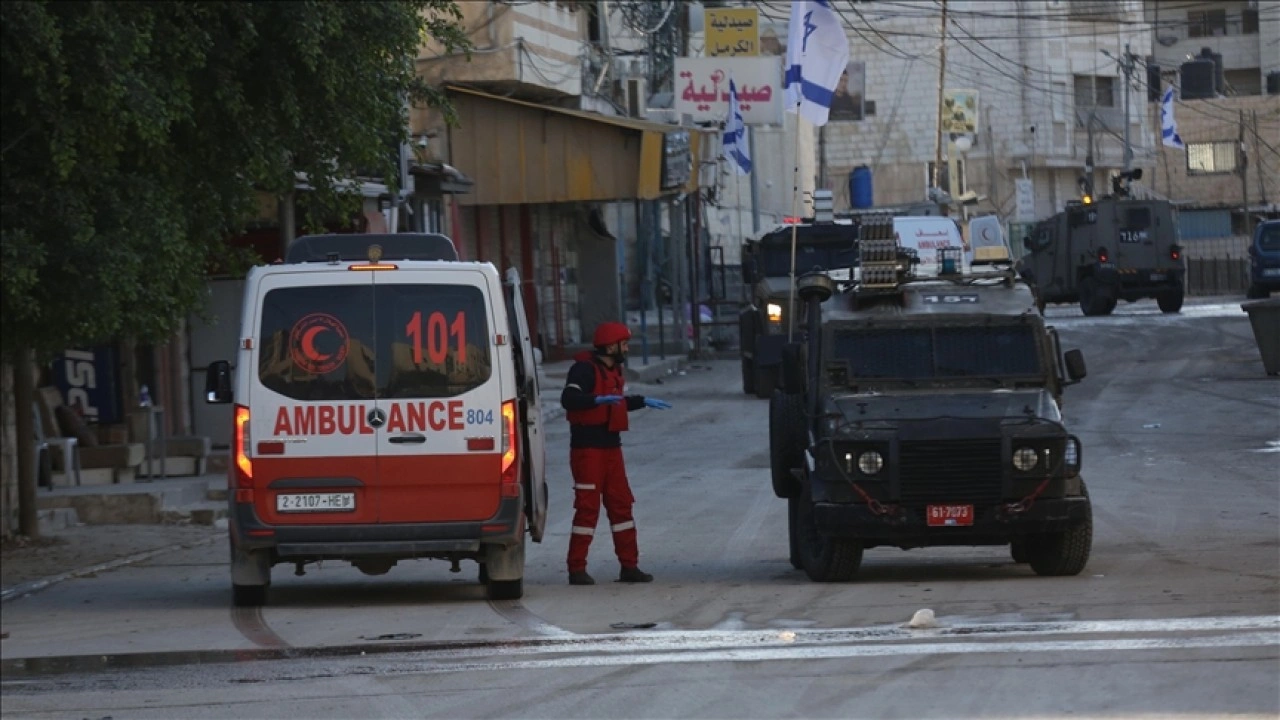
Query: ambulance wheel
pixel 249 595
pixel 1171 301
pixel 483 574
pixel 506 563
pixel 787 440
pixel 824 559
pixel 506 589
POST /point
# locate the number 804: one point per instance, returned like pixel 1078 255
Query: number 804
pixel 479 417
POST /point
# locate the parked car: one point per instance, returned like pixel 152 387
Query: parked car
pixel 1264 260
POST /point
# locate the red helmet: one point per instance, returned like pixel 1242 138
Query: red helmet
pixel 608 333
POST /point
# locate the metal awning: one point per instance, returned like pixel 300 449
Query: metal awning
pixel 436 179
pixel 521 152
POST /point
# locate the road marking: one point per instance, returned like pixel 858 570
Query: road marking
pixel 874 650
pixel 676 646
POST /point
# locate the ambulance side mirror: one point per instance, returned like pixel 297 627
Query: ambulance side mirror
pixel 217 383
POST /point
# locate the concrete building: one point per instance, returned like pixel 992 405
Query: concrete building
pixel 1245 33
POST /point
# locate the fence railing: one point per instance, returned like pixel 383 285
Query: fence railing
pixel 1217 276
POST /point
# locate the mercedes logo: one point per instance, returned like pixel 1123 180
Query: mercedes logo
pixel 377 417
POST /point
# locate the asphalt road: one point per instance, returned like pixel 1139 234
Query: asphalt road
pixel 1177 614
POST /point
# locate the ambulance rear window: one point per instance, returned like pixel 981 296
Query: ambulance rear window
pixel 352 342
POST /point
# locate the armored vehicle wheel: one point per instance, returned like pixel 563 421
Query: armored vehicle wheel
pixel 1171 301
pixel 793 542
pixel 1257 292
pixel 1093 298
pixel 787 441
pixel 766 380
pixel 1110 306
pixel 1062 553
pixel 824 559
pixel 1018 550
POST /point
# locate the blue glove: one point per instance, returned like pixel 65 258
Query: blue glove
pixel 657 404
pixel 608 399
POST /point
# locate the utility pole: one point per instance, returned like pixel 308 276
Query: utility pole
pixel 1244 178
pixel 1127 67
pixel 942 79
pixel 1257 142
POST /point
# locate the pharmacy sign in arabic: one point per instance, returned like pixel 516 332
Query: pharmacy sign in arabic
pixel 960 111
pixel 732 32
pixel 702 88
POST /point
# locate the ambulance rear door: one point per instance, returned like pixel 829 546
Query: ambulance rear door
pixel 532 442
pixel 440 391
pixel 314 457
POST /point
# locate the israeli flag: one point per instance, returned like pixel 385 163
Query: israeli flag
pixel 1169 128
pixel 735 136
pixel 817 52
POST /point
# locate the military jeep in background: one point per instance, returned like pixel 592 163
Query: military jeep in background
pixel 1098 253
pixel 925 412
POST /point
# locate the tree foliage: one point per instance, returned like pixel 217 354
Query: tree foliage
pixel 134 136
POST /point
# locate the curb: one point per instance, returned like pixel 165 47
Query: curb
pixel 34 586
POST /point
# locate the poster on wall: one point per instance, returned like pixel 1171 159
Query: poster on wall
pixel 846 102
pixel 86 380
pixel 960 111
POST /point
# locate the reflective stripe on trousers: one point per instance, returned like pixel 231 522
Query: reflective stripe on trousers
pixel 600 477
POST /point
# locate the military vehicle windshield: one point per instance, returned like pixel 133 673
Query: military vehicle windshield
pixel 942 353
pixel 825 247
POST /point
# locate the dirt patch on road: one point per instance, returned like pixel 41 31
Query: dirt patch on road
pixel 24 559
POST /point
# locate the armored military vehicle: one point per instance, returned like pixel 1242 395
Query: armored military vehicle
pixel 926 412
pixel 766 321
pixel 1097 253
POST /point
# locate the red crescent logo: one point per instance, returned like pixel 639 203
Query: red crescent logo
pixel 302 343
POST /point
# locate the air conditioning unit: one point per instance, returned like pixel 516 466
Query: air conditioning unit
pixel 636 96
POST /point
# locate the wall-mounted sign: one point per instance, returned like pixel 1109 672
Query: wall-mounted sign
pixel 732 32
pixel 702 88
pixel 960 111
pixel 1024 200
pixel 677 159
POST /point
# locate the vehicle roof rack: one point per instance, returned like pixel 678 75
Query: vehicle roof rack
pixel 355 247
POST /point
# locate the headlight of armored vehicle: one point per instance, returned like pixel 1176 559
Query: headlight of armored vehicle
pixel 1072 456
pixel 1025 459
pixel 774 311
pixel 870 462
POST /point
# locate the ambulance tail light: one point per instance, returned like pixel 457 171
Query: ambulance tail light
pixel 510 446
pixel 240 448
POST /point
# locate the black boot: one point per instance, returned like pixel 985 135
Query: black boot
pixel 581 578
pixel 634 575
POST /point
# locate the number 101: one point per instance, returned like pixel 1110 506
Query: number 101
pixel 438 332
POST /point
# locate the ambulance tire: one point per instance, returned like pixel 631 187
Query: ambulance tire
pixel 824 559
pixel 506 561
pixel 787 439
pixel 506 589
pixel 252 568
pixel 483 574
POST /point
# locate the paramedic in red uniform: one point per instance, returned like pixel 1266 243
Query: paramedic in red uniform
pixel 597 413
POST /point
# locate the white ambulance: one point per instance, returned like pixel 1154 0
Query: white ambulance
pixel 385 408
pixel 927 235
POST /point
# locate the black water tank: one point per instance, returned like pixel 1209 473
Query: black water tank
pixel 1197 80
pixel 1153 81
pixel 1273 82
pixel 1219 73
